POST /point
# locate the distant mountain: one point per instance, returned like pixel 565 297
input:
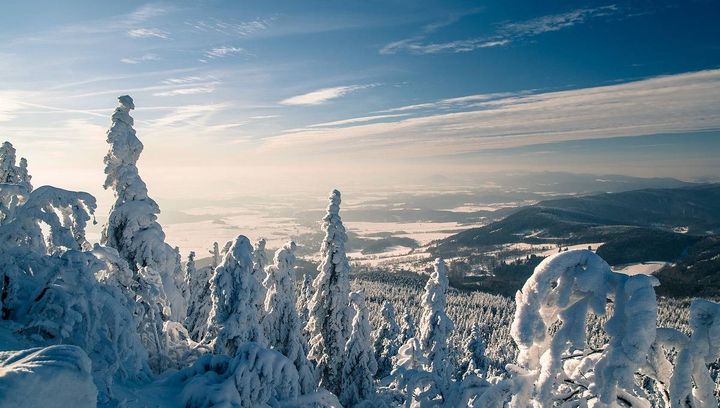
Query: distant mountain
pixel 576 183
pixel 635 226
pixel 683 211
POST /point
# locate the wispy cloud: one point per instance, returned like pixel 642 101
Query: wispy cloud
pixel 148 33
pixel 669 104
pixel 506 33
pixel 191 115
pixel 142 58
pixel 9 103
pixel 219 52
pixel 460 102
pixel 187 91
pixel 323 95
pixel 352 121
pixel 239 28
pixel 147 12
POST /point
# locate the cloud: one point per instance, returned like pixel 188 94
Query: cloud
pixel 187 91
pixel 147 12
pixel 554 22
pixel 506 34
pixel 148 33
pixel 242 28
pixel 138 60
pixel 193 115
pixel 9 104
pixel 220 52
pixel 323 95
pixel 462 101
pixel 669 104
pixel 357 120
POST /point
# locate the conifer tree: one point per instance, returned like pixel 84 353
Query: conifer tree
pixel 234 318
pixel 359 365
pixel 132 227
pixel 329 309
pixel 282 324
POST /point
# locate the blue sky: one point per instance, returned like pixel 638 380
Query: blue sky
pixel 316 94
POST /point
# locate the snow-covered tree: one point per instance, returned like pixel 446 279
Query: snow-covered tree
pixel 474 360
pixel 303 302
pixel 688 383
pixel 260 262
pixel 359 365
pixel 24 176
pixel 253 377
pixel 408 329
pixel 435 325
pixel 566 287
pixel 234 318
pixel 282 324
pixel 61 291
pixel 179 283
pixel 200 302
pixel 9 172
pixel 132 226
pixel 215 252
pixel 386 342
pixel 190 276
pixel 329 308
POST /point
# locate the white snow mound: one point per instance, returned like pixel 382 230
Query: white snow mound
pixel 55 376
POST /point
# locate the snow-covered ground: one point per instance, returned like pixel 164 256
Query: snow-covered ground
pixel 423 232
pixel 641 268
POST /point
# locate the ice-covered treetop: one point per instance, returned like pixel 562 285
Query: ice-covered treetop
pixel 439 275
pixel 332 223
pixel 285 257
pixel 125 150
pixel 357 299
pixel 127 102
pixel 334 205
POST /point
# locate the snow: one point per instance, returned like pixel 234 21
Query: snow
pixel 641 268
pixel 50 377
pixel 423 232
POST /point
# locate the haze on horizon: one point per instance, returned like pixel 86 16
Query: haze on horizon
pixel 247 99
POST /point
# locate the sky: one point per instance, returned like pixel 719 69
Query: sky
pixel 245 97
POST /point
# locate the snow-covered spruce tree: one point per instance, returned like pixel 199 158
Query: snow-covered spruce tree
pixel 9 173
pixel 61 292
pixel 408 329
pixel 132 226
pixel 359 365
pixel 253 377
pixel 688 383
pixel 200 301
pixel 260 262
pixel 153 307
pixel 435 325
pixel 474 360
pixel 179 283
pixel 387 338
pixel 329 308
pixel 190 276
pixel 15 181
pixel 303 302
pixel 216 258
pixel 281 323
pixel 234 318
pixel 24 176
